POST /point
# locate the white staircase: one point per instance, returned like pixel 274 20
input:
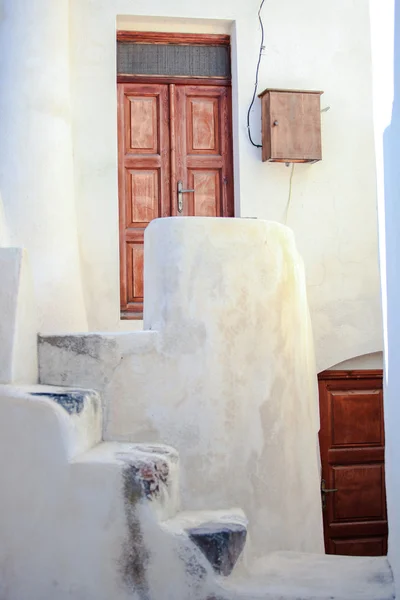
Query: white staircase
pixel 85 519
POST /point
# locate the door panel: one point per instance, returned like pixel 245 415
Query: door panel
pixel 142 132
pixel 206 201
pixel 375 546
pixel 352 453
pixel 134 259
pixel 203 125
pixel 169 133
pixel 143 196
pixel 360 492
pixel 357 418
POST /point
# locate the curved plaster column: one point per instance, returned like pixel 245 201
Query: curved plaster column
pixel 232 385
pixel 36 168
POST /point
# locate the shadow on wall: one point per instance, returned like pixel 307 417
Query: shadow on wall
pixel 390 263
pixel 372 360
pixel 3 231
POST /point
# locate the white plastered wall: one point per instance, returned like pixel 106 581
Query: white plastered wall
pixel 63 99
pixel 385 28
pixel 18 319
pixel 36 166
pixel 374 360
pixel 311 44
pixel 3 231
pixel 231 399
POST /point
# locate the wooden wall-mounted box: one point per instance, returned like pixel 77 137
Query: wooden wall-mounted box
pixel 291 126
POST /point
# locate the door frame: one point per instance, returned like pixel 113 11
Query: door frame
pixel 145 37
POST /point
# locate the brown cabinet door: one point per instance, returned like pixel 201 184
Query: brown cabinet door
pixel 352 453
pixel 168 133
pixel 294 123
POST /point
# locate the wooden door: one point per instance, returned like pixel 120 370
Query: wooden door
pixel 144 179
pixel 204 150
pixel 169 134
pixel 352 453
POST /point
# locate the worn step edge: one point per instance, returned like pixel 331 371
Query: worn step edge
pixel 194 518
pixel 220 535
pixel 152 467
pixel 79 409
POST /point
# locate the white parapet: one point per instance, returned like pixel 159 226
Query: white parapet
pixel 18 323
pixel 235 372
pixel 226 375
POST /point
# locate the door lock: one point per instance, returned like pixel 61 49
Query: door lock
pixel 324 491
pixel 181 191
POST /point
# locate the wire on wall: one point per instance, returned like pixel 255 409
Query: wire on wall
pixel 257 70
pixel 290 194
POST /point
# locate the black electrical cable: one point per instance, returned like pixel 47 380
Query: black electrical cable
pixel 257 70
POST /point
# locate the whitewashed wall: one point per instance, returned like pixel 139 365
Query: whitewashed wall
pixel 3 232
pixel 18 319
pixel 312 44
pixel 232 400
pixel 36 156
pixel 385 22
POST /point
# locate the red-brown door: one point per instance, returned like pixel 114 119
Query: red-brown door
pixel 352 453
pixel 171 137
pixel 144 179
pixel 204 150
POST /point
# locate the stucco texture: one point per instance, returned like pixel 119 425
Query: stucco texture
pixel 73 522
pixel 58 157
pixel 385 28
pixel 311 44
pixel 81 519
pixel 18 319
pixel 238 402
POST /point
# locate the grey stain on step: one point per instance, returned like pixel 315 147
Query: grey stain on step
pixel 72 401
pixel 87 345
pixel 135 556
pixel 383 578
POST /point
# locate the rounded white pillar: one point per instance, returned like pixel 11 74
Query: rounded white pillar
pixel 236 376
pixel 36 161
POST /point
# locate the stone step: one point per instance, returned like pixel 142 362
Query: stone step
pixel 298 576
pixel 79 410
pixel 150 471
pixel 220 535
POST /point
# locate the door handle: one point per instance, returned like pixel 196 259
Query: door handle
pixel 181 191
pixel 324 491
